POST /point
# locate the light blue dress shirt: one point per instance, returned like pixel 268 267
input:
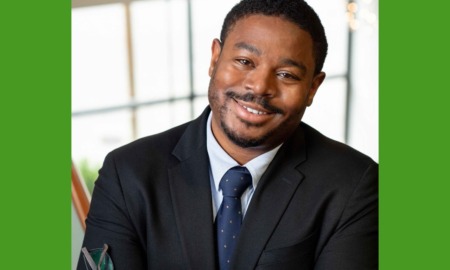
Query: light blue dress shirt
pixel 220 162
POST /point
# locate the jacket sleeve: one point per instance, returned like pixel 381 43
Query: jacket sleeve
pixel 109 222
pixel 354 244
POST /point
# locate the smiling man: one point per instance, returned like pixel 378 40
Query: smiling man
pixel 247 185
pixel 262 79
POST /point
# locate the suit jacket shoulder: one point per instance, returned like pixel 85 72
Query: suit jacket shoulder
pixel 154 147
pixel 320 145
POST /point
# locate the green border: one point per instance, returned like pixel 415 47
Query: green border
pixel 35 137
pixel 35 140
pixel 414 137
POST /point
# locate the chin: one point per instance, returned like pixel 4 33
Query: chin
pixel 242 140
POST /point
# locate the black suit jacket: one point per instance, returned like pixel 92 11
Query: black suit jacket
pixel 316 206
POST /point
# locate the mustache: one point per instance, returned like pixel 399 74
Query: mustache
pixel 249 97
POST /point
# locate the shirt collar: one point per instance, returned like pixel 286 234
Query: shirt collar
pixel 220 162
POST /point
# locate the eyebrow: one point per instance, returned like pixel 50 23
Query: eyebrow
pixel 248 47
pixel 290 62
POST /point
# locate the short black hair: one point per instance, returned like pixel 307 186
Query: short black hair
pixel 295 11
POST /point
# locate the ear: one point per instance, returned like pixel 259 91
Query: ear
pixel 317 81
pixel 215 54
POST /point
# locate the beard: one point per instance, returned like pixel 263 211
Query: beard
pixel 238 140
pixel 222 109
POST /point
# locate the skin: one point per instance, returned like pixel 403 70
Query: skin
pixel 267 65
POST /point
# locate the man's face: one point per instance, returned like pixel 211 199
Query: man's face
pixel 262 80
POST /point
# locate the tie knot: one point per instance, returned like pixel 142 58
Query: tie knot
pixel 235 181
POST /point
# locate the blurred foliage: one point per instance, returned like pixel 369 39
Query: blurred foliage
pixel 89 173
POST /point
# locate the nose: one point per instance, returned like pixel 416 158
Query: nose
pixel 260 82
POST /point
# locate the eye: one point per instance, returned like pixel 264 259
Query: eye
pixel 287 75
pixel 244 62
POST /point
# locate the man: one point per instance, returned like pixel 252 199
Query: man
pixel 305 201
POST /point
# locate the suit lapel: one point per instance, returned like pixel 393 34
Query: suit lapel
pixel 191 193
pixel 273 194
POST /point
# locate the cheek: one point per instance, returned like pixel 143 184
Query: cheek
pixel 293 100
pixel 226 76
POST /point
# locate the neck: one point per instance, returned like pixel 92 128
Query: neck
pixel 241 155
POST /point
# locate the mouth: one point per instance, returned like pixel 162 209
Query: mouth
pixel 253 108
pixel 253 104
pixel 252 114
pixel 254 111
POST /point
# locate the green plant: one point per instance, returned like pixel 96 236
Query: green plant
pixel 89 173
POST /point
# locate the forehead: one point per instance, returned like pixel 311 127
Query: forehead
pixel 271 35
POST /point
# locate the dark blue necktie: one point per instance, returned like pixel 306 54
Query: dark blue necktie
pixel 229 217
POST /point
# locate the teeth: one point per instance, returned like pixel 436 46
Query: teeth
pixel 253 111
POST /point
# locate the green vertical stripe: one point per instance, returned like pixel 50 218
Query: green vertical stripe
pixel 414 135
pixel 35 134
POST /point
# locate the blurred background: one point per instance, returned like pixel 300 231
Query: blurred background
pixel 140 67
